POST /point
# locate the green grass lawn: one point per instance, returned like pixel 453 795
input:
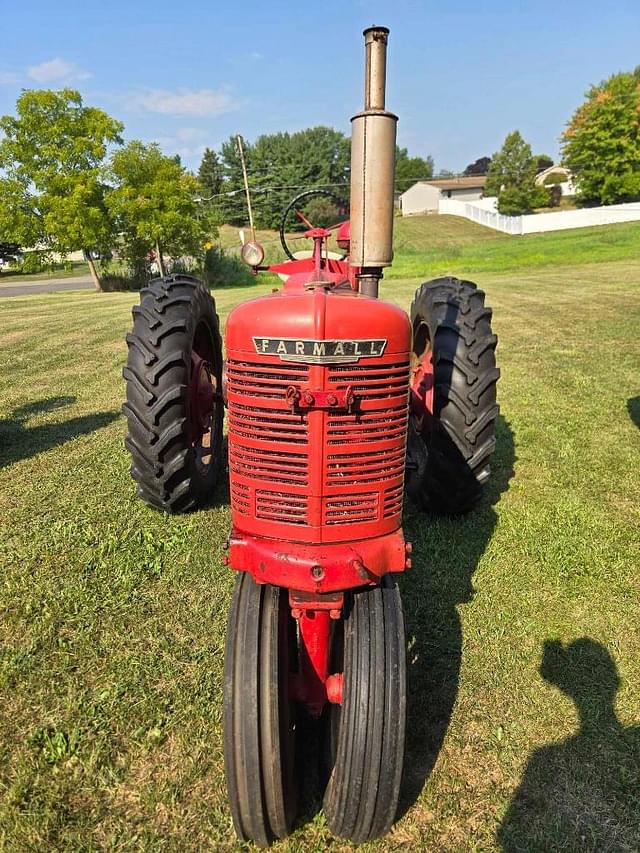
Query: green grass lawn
pixel 424 249
pixel 112 617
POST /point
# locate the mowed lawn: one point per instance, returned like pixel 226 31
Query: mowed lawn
pixel 523 617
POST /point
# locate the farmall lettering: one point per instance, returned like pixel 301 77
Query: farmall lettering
pixel 320 352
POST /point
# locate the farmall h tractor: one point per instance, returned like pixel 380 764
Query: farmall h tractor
pixel 337 402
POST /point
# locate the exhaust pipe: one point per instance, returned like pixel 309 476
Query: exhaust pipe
pixel 373 159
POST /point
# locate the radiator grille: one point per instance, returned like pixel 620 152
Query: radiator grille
pixel 281 506
pixel 348 510
pixel 274 449
pixel 264 380
pixel 240 498
pixel 380 419
pixel 393 500
pixel 270 443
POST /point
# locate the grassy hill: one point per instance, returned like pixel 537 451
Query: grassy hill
pixel 428 246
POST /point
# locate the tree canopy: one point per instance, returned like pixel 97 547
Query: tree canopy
pixel 411 169
pixel 153 204
pixel 601 144
pixel 280 165
pixel 210 175
pixel 478 167
pixel 52 193
pixel 512 177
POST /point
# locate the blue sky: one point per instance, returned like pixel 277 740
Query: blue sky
pixel 462 74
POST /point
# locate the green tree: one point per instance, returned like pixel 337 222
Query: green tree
pixel 543 161
pixel 153 204
pixel 210 174
pixel 512 177
pixel 210 179
pixel 478 167
pixel 52 193
pixel 411 169
pixel 279 165
pixel 601 144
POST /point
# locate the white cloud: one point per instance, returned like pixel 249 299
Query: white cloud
pixel 188 142
pixel 195 102
pixel 57 70
pixel 8 78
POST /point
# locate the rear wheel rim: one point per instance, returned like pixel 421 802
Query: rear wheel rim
pixel 422 379
pixel 204 399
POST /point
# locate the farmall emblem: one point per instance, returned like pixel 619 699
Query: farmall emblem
pixel 319 352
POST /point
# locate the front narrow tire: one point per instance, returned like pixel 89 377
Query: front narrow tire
pixel 259 715
pixel 366 733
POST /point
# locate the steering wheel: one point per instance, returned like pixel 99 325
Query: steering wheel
pixel 295 203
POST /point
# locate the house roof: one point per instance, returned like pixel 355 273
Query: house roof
pixel 472 182
pixel 553 170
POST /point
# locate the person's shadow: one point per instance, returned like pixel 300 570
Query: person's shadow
pixel 583 793
pixel 446 552
pixel 20 441
pixel 633 407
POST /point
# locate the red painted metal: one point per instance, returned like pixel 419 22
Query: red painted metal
pixel 318 568
pixel 317 448
pixel 318 399
pixel 343 236
pixel 315 633
pixel 317 476
pixel 422 389
pixel 334 687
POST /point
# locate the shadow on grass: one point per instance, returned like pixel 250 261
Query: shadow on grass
pixel 633 407
pixel 18 441
pixel 581 793
pixel 446 552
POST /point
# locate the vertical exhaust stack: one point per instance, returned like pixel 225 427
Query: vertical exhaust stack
pixel 373 160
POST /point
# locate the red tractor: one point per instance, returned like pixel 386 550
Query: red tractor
pixel 337 402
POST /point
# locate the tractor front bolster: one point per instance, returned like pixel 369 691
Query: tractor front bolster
pixel 319 568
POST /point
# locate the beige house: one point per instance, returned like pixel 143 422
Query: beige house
pixel 425 196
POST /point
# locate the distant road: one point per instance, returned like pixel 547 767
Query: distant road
pixel 50 285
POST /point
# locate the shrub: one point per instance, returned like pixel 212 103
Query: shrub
pixel 221 268
pixel 33 262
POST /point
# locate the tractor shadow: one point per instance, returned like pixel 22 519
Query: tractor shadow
pixel 446 552
pixel 19 441
pixel 633 407
pixel 580 793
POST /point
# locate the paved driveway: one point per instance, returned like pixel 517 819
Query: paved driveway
pixel 50 285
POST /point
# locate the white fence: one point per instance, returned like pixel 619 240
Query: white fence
pixel 484 213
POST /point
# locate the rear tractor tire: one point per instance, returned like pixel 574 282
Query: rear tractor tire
pixel 453 396
pixel 174 404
